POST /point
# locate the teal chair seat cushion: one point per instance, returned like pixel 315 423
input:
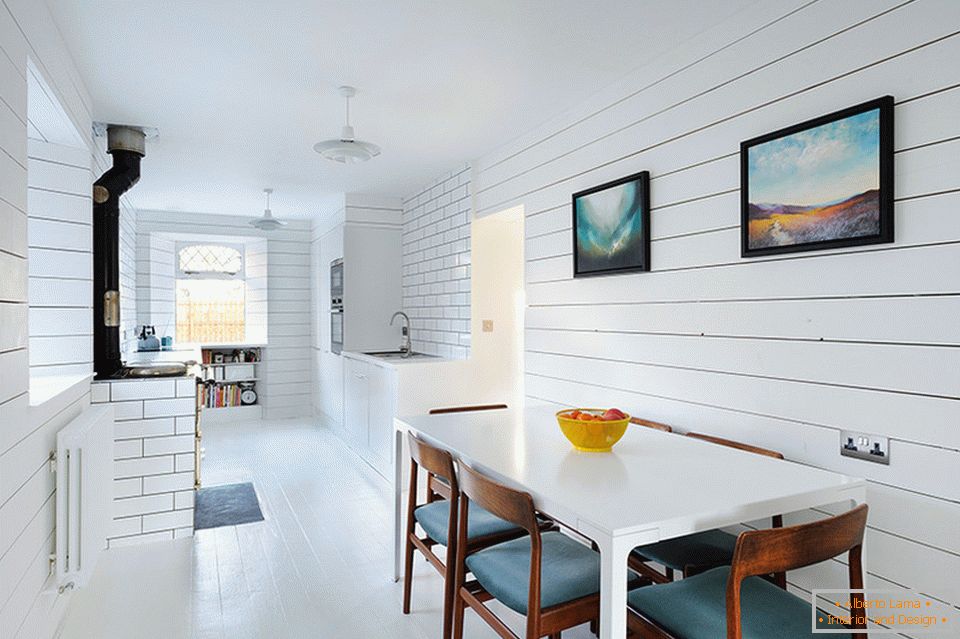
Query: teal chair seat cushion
pixel 695 608
pixel 709 548
pixel 435 517
pixel 568 570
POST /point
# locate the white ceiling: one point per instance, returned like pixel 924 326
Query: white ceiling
pixel 241 89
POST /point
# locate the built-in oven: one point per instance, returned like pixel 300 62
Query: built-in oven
pixel 336 306
pixel 336 283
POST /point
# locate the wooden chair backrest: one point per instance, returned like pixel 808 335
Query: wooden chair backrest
pixel 777 550
pixel 649 424
pixel 437 462
pixel 466 409
pixel 779 577
pixel 506 503
pixel 738 445
pixel 516 507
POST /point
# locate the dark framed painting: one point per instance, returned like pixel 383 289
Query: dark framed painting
pixel 611 227
pixel 825 183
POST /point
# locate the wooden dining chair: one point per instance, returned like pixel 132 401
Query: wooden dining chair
pixel 737 603
pixel 649 424
pixel 438 519
pixel 466 409
pixel 550 578
pixel 701 551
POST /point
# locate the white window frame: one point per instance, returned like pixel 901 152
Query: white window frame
pixel 210 275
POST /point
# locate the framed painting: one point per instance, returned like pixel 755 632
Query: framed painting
pixel 611 227
pixel 825 183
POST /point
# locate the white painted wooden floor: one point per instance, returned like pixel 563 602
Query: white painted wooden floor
pixel 318 567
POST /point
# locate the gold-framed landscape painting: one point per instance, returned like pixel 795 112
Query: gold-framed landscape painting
pixel 825 183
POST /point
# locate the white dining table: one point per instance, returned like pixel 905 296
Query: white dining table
pixel 652 486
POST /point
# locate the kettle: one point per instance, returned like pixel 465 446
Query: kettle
pixel 147 340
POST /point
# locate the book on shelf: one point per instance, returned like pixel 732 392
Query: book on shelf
pixel 222 395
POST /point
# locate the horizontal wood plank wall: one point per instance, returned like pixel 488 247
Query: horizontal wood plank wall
pixel 257 277
pixel 28 433
pixel 128 272
pixel 326 245
pixel 156 284
pixel 60 241
pixel 782 351
pixel 286 389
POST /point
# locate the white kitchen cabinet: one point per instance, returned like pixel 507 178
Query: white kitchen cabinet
pixel 367 236
pixel 369 406
pixel 377 390
pixel 381 409
pixel 356 403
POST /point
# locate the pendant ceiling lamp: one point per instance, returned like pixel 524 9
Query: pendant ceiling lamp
pixel 267 222
pixel 347 149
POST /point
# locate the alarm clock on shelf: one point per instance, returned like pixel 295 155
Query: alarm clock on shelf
pixel 248 396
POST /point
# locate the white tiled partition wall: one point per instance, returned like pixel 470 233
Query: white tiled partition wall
pixel 154 457
pixel 783 351
pixel 436 265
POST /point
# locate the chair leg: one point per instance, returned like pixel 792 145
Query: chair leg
pixel 458 606
pixel 595 627
pixel 407 576
pixel 449 588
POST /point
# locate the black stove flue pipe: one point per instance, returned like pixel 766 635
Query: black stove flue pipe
pixel 126 145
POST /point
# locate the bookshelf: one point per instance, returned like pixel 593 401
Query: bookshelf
pixel 229 375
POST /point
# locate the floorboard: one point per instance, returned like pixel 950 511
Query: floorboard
pixel 317 567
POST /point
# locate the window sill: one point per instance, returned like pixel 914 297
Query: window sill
pixel 44 388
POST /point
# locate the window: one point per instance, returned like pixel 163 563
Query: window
pixel 211 293
pixel 210 260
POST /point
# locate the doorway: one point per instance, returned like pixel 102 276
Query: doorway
pixel 499 303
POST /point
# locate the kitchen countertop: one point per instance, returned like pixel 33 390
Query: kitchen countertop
pixel 185 354
pixel 43 388
pixel 417 358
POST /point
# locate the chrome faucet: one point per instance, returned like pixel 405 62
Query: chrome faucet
pixel 406 348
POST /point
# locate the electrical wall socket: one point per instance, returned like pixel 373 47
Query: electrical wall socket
pixel 865 446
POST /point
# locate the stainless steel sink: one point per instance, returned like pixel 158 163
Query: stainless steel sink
pixel 397 355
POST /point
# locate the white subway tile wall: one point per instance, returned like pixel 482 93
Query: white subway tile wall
pixel 153 452
pixel 436 265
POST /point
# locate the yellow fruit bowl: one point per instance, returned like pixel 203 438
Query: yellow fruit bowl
pixel 593 436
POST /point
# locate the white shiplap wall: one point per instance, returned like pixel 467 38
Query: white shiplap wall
pixel 784 351
pixel 285 390
pixel 156 282
pixel 326 245
pixel 60 258
pixel 128 273
pixel 28 433
pixel 256 263
pixel 436 265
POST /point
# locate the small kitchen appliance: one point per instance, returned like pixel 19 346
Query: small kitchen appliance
pixel 148 341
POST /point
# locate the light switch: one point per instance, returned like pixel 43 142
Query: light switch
pixel 487 326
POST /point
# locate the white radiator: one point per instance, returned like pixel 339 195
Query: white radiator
pixel 84 494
